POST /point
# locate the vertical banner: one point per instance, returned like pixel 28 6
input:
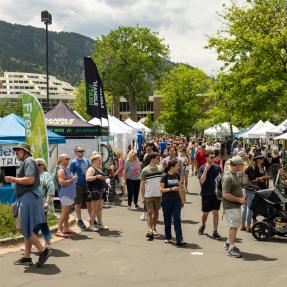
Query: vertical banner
pixel 96 103
pixel 35 127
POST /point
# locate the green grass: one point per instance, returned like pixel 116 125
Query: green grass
pixel 7 221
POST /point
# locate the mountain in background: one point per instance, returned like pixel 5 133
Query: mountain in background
pixel 23 49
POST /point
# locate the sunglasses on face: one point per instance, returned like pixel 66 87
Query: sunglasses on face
pixel 212 157
pixel 81 151
pixel 67 158
pixel 40 164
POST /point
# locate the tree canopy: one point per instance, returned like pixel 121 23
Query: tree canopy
pixel 133 59
pixel 253 47
pixel 182 89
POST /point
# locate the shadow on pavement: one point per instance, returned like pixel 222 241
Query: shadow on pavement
pixel 59 253
pixel 110 233
pixel 278 239
pixel 47 269
pixel 78 236
pixel 255 257
pixel 189 221
pixel 187 246
pixel 191 193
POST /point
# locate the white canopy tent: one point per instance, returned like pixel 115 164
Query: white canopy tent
pixel 221 130
pixel 252 130
pixel 281 137
pixel 133 124
pixel 281 128
pixel 145 128
pixel 260 133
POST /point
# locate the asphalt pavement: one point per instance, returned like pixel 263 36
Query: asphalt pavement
pixel 122 256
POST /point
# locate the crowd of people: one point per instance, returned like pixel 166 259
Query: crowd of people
pixel 156 174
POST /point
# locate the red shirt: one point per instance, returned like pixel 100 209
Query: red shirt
pixel 200 158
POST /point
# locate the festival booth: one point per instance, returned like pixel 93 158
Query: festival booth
pixel 278 130
pixel 249 133
pixel 63 121
pixel 12 132
pixel 145 128
pixel 221 130
pixel 133 124
pixel 260 131
pixel 243 131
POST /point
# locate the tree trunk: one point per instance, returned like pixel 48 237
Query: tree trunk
pixel 133 109
pixel 116 107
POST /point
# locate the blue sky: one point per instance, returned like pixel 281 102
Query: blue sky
pixel 184 24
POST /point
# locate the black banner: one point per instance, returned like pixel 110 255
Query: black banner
pixel 96 103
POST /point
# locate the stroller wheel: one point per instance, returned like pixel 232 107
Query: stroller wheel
pixel 261 231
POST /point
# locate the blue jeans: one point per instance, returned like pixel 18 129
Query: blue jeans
pixel 246 213
pixel 172 208
pixel 44 229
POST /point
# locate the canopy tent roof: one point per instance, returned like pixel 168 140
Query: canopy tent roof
pixel 145 128
pixel 240 133
pixel 253 129
pixel 133 124
pixel 221 130
pixel 12 131
pixel 260 132
pixel 281 137
pixel 281 128
pixel 62 120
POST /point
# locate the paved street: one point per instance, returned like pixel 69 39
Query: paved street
pixel 123 257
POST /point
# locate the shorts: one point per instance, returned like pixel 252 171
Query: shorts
pixel 18 220
pixel 209 204
pixel 232 217
pixel 81 195
pixel 95 195
pixel 153 203
pixel 66 201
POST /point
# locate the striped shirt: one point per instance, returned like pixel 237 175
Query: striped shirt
pixel 152 177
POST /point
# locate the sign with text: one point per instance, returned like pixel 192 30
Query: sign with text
pixel 8 156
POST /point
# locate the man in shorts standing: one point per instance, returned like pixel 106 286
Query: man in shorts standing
pixel 207 174
pixel 78 167
pixel 232 200
pixel 150 192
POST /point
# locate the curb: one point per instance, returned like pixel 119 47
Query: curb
pixel 20 238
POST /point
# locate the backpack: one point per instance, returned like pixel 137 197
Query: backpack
pixel 218 185
pixel 56 179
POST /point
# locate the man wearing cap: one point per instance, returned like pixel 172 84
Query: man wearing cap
pixel 30 212
pixel 232 200
pixel 78 167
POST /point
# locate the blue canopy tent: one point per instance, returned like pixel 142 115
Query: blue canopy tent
pixel 12 131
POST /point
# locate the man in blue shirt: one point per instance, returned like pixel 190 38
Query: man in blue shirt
pixel 79 166
pixel 162 146
pixel 207 174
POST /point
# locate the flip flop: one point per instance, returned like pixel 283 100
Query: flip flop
pixel 69 232
pixel 62 234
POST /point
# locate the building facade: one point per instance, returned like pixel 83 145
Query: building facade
pixel 12 84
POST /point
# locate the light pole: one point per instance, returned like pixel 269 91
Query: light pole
pixel 46 17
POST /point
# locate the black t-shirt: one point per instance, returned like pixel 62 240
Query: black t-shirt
pixel 169 182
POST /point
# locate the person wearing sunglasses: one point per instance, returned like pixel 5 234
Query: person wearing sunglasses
pixel 207 174
pixel 67 193
pixel 79 166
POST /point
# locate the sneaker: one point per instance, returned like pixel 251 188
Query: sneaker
pixel 216 235
pixel 24 261
pixel 155 232
pixel 233 252
pixel 226 246
pixel 150 235
pixel 43 257
pixel 94 228
pixel 96 223
pixel 201 229
pixel 102 227
pixel 181 243
pixel 81 224
pixel 143 216
pixel 129 208
pixel 136 206
pixel 167 241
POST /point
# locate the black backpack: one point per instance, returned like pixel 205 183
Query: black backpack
pixel 218 185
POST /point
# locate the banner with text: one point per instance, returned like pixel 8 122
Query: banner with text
pixel 8 156
pixel 96 103
pixel 35 127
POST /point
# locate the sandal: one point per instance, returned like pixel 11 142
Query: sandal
pixel 62 234
pixel 69 232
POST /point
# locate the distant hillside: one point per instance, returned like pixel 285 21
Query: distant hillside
pixel 23 49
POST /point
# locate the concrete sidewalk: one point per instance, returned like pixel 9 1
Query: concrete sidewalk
pixel 123 257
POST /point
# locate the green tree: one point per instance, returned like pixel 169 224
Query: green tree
pixel 8 106
pixel 253 47
pixel 80 104
pixel 181 101
pixel 133 59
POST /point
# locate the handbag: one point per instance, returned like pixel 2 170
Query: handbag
pixel 16 207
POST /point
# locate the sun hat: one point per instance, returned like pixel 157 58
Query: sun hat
pixel 236 160
pixel 26 147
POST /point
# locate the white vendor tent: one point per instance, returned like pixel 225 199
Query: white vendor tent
pixel 145 128
pixel 260 133
pixel 248 134
pixel 133 124
pixel 281 137
pixel 221 130
pixel 281 128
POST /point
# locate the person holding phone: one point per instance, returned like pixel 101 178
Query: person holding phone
pixel 96 186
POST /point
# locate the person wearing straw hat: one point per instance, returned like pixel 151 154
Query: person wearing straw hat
pixel 31 212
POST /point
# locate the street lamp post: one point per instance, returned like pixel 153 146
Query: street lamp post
pixel 46 17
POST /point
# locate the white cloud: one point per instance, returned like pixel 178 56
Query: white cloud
pixel 184 24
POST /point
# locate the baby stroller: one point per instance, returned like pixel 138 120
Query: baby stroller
pixel 268 203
